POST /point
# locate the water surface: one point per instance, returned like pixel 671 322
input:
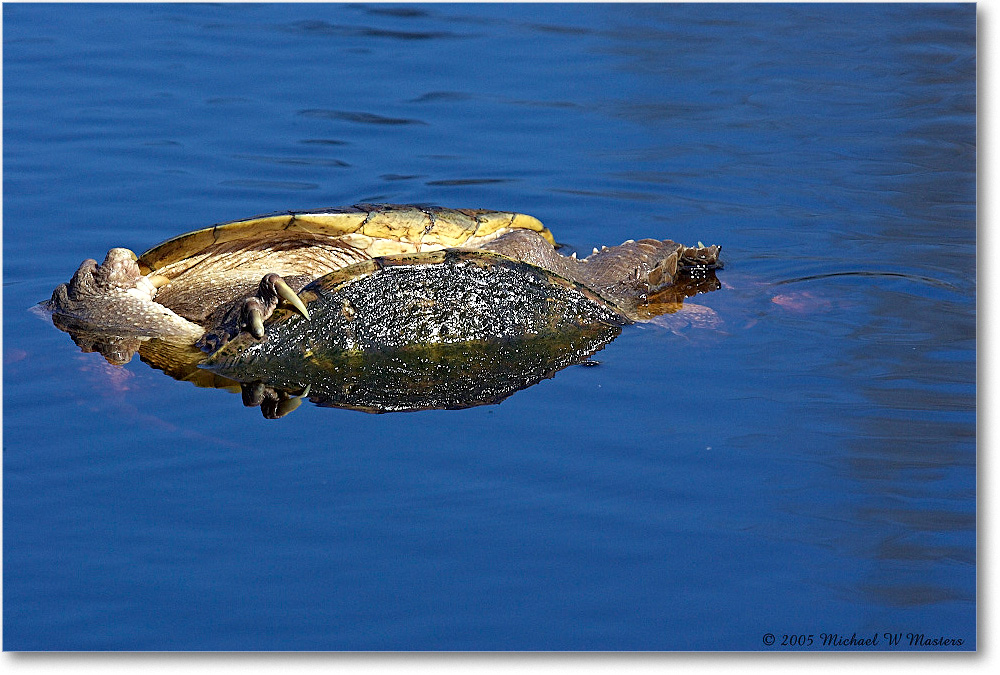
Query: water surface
pixel 802 463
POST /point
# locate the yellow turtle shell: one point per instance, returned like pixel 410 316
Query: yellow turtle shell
pixel 360 231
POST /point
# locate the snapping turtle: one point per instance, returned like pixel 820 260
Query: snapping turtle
pixel 366 286
pixel 198 277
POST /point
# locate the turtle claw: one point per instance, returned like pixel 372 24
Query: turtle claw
pixel 258 308
pixel 256 323
pixel 274 403
pixel 287 403
pixel 158 280
pixel 286 293
pixel 252 315
pixel 283 407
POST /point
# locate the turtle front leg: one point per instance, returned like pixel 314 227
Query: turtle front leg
pixel 258 308
pixel 250 313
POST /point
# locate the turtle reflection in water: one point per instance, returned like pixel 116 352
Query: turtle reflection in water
pixel 374 307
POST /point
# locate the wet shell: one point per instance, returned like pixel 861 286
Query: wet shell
pixel 438 297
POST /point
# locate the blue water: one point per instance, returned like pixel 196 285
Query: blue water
pixel 803 463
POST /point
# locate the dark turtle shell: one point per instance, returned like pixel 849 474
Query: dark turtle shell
pixel 397 302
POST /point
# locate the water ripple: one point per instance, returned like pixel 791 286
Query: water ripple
pixel 442 97
pixel 873 274
pixel 269 184
pixel 396 176
pixel 558 30
pixel 470 181
pixel 358 117
pixel 323 141
pixel 294 161
pixel 399 12
pixel 319 27
pixel 611 194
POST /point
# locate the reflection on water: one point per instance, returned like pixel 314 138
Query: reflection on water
pixel 799 457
